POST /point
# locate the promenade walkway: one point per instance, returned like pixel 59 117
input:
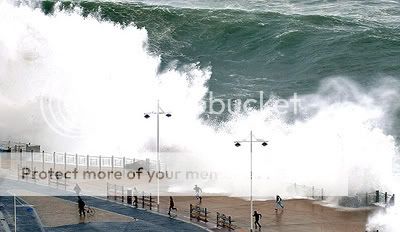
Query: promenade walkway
pixel 27 219
pixel 300 215
pixel 146 221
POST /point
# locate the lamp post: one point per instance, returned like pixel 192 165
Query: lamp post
pixel 15 213
pixel 147 116
pixel 15 208
pixel 251 141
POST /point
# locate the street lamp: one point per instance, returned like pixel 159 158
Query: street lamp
pixel 147 116
pixel 251 141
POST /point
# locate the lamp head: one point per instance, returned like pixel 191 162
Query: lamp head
pixel 168 115
pixel 264 143
pixel 146 116
pixel 237 144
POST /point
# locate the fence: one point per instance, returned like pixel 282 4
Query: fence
pixel 120 193
pixel 30 159
pixel 58 182
pixel 225 221
pixel 199 213
pixel 115 192
pixel 32 153
pixel 307 191
pixel 147 200
pixel 378 197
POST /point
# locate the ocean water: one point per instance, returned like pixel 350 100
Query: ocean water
pixel 253 47
pixel 279 48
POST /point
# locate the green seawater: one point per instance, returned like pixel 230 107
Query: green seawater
pixel 259 48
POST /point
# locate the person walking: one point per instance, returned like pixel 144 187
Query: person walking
pixel 391 201
pixel 81 207
pixel 278 203
pixel 197 192
pixel 171 205
pixel 257 216
pixel 77 189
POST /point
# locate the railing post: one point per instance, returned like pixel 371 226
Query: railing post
pixel 76 161
pixel 123 165
pixel 150 201
pixel 115 192
pixel 31 159
pixel 123 194
pixel 366 199
pixel 386 197
pixel 18 166
pixel 42 160
pixel 112 163
pixel 100 162
pixel 65 161
pixel 20 157
pixel 205 215
pixel 107 191
pixel 322 194
pixel 54 161
pixel 377 196
pixel 143 200
pixel 190 212
pixel 136 199
pixel 87 162
pixel 129 196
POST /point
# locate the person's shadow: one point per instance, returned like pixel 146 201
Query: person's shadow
pixel 278 217
pixel 81 220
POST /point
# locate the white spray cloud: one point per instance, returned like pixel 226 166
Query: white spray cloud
pixel 94 81
pixel 387 221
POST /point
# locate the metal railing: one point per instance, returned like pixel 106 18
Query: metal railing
pixel 130 196
pixel 377 197
pixel 313 192
pixel 31 153
pixel 31 159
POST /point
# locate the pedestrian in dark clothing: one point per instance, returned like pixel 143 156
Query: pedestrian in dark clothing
pixel 81 207
pixel 257 217
pixel 171 205
pixel 391 201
